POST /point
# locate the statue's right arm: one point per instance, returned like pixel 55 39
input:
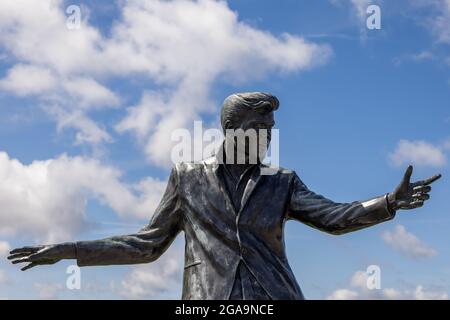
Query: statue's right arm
pixel 141 247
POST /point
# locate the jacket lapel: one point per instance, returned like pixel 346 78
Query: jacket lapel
pixel 219 180
pixel 250 187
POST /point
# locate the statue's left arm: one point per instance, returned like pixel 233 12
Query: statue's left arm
pixel 140 247
pixel 338 218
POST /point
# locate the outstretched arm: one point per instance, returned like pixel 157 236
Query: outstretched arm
pixel 338 218
pixel 145 246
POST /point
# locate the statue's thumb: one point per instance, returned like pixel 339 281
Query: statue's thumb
pixel 408 173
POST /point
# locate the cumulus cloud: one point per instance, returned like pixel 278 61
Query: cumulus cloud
pixel 360 8
pixel 446 144
pixel 4 248
pixel 420 153
pixel 188 45
pixel 87 130
pixel 420 56
pixel 47 199
pixel 152 280
pixel 357 290
pixel 28 80
pixel 182 46
pixel 407 243
pixel 4 279
pixel 90 93
pixel 436 19
pixel 54 63
pixel 343 294
pixel 440 24
pixel 48 291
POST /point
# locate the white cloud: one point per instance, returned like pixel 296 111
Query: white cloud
pixel 182 46
pixel 343 294
pixel 4 279
pixel 37 33
pixel 28 80
pixel 423 55
pixel 434 16
pixel 187 45
pixel 54 63
pixel 441 23
pixel 420 56
pixel 4 251
pixel 152 280
pixel 446 144
pixel 421 294
pixel 420 153
pixel 436 19
pixel 48 291
pixel 360 7
pixel 359 12
pixel 47 199
pixel 90 93
pixel 407 243
pixel 88 130
pixel 4 248
pixel 358 290
pixel 143 117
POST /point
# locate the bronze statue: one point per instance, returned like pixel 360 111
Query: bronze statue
pixel 233 218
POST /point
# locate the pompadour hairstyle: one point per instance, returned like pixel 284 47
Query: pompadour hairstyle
pixel 236 104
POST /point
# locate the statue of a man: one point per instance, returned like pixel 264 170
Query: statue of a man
pixel 233 217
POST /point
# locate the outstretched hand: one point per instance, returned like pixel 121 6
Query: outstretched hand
pixel 42 255
pixel 409 195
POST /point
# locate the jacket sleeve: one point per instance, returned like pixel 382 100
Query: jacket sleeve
pixel 335 218
pixel 144 246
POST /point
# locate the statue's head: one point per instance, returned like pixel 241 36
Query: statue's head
pixel 249 115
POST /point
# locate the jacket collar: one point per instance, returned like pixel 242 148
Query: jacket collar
pixel 216 163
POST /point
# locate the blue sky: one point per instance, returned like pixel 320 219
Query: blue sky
pixel 86 116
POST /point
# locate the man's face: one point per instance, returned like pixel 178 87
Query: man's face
pixel 256 121
pixel 256 124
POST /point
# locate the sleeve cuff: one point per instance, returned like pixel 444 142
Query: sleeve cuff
pixel 378 209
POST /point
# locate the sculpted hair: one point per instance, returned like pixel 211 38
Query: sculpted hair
pixel 235 105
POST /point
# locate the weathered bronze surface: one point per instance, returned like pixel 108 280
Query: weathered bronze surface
pixel 233 219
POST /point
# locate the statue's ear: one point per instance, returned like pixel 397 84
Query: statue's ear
pixel 228 125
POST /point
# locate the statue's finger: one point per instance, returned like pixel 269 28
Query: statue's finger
pixel 29 266
pixel 406 205
pixel 413 204
pixel 432 179
pixel 37 256
pixel 422 189
pixel 24 249
pixel 421 196
pixel 417 204
pixel 21 260
pixel 18 255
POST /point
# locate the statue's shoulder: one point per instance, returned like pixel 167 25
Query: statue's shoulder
pixel 277 170
pixel 193 166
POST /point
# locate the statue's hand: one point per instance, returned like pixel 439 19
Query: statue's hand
pixel 40 255
pixel 409 195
